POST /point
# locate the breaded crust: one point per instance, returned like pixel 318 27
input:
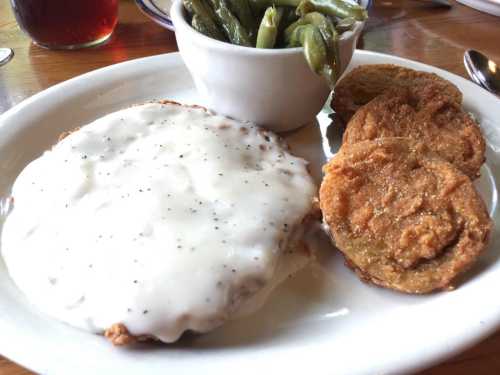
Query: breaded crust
pixel 119 335
pixel 403 218
pixel 368 81
pixel 441 124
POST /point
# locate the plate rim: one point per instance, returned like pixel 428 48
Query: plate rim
pixel 175 59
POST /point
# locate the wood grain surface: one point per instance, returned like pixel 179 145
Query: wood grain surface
pixel 411 29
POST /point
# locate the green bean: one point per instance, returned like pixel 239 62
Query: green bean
pixel 288 17
pixel 315 18
pixel 333 73
pixel 205 18
pixel 316 29
pixel 188 5
pixel 268 30
pixel 345 24
pixel 259 5
pixel 242 10
pixel 330 36
pixel 322 22
pixel 201 26
pixel 233 29
pixel 338 8
pixel 309 37
pixel 331 69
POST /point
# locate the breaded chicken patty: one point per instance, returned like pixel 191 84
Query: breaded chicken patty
pixel 368 81
pixel 441 124
pixel 167 218
pixel 403 218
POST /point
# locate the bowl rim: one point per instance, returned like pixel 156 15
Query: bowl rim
pixel 177 13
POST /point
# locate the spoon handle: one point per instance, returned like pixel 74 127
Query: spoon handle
pixel 482 71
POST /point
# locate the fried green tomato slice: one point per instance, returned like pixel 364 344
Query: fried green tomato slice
pixel 366 82
pixel 441 124
pixel 404 218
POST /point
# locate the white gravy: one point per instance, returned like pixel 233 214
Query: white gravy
pixel 161 217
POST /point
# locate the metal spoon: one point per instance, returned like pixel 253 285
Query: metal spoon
pixel 6 55
pixel 483 71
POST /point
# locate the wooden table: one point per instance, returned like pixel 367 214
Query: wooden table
pixel 409 29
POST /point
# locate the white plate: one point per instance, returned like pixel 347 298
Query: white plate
pixel 488 6
pixel 324 321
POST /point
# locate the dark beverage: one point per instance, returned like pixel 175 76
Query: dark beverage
pixel 66 23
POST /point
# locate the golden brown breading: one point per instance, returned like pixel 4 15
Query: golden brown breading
pixel 441 124
pixel 403 218
pixel 119 335
pixel 366 82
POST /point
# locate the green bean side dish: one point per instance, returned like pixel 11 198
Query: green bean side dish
pixel 314 25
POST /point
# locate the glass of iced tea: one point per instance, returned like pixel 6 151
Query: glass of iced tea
pixel 66 24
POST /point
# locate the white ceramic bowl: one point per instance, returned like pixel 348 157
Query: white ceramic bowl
pixel 271 87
